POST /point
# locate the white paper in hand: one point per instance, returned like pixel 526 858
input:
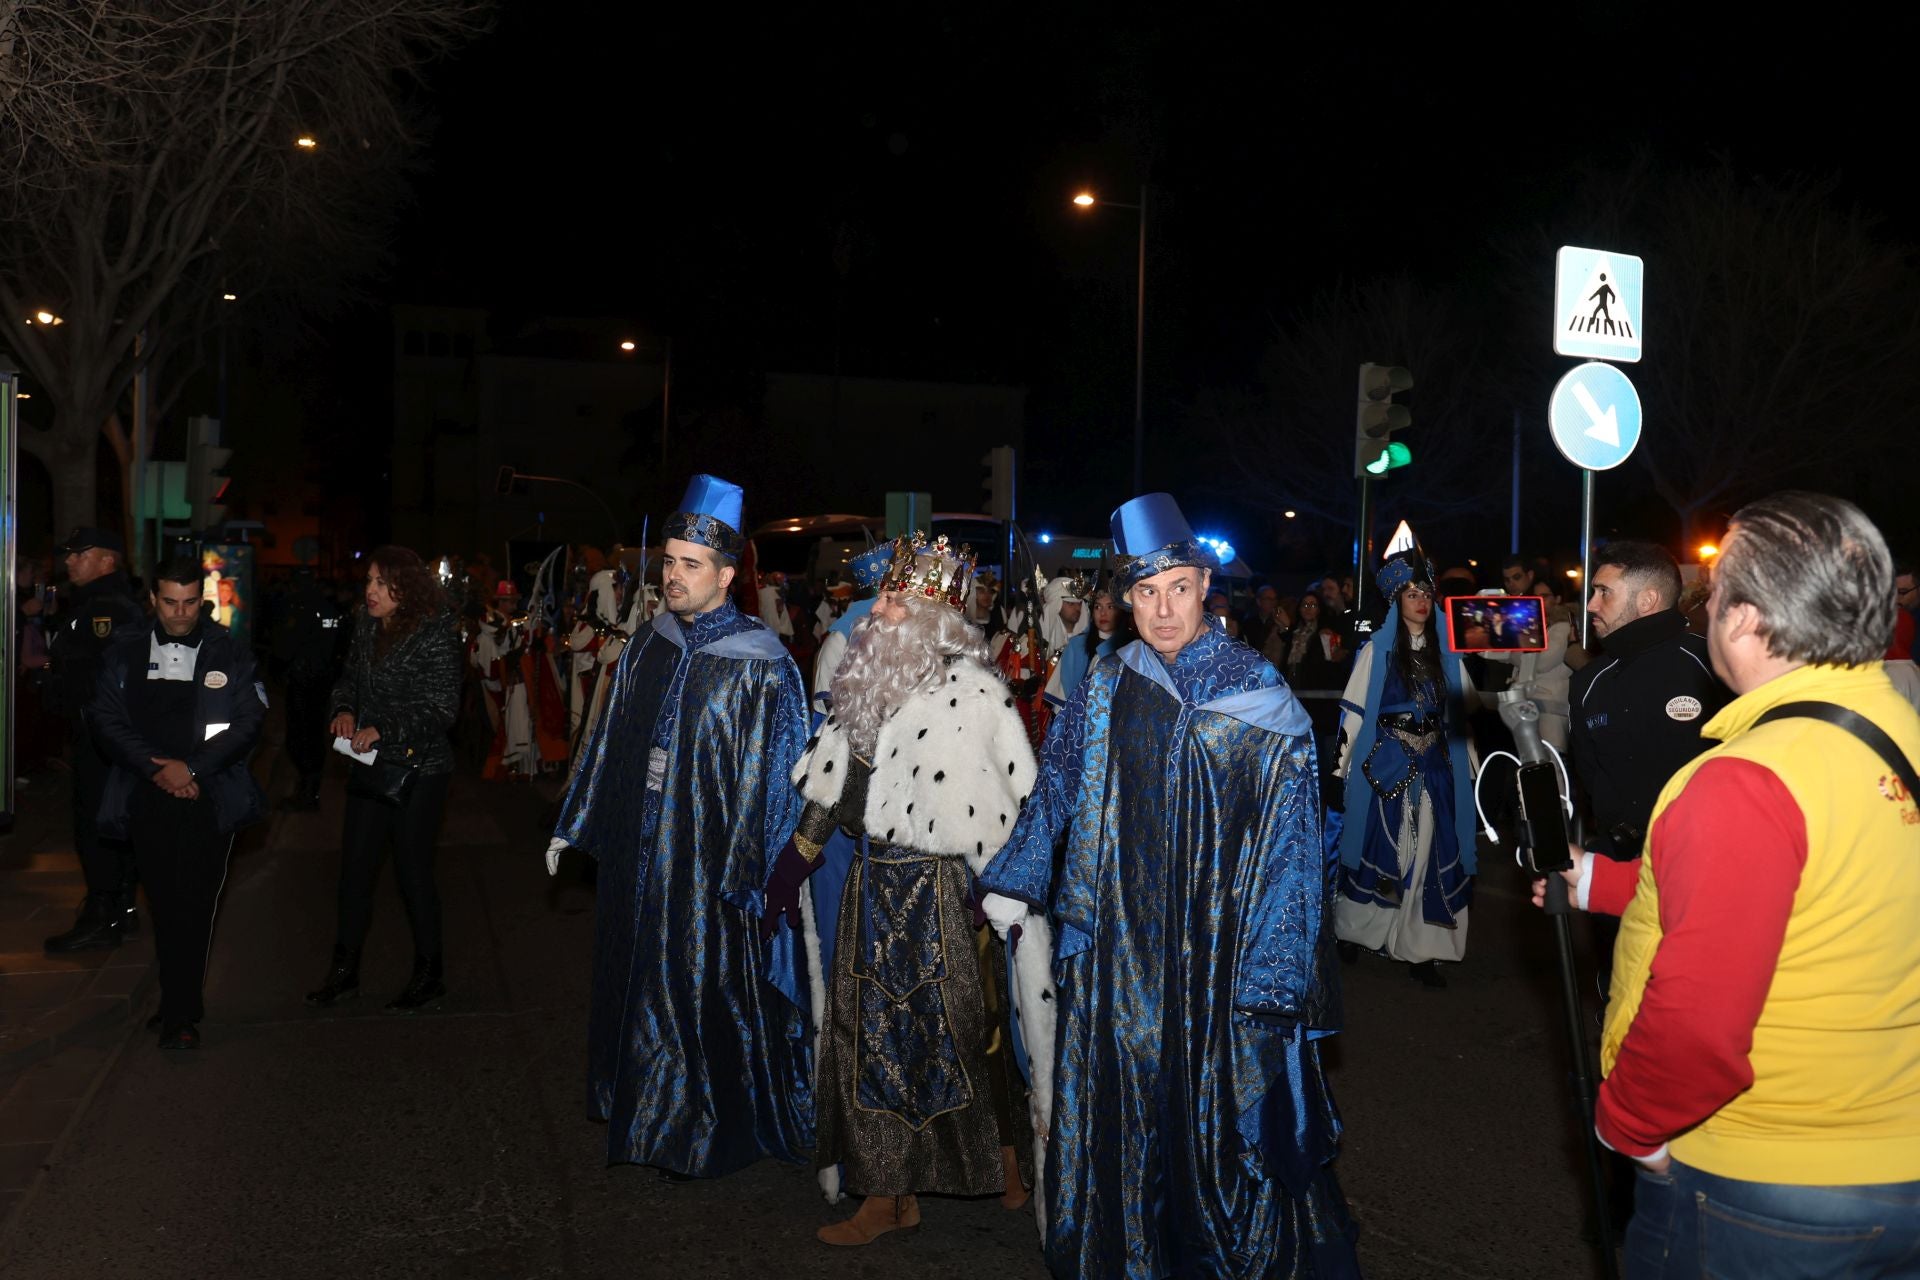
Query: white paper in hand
pixel 345 747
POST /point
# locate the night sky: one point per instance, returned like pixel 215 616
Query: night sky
pixel 900 175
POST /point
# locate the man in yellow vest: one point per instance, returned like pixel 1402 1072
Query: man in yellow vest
pixel 1762 1041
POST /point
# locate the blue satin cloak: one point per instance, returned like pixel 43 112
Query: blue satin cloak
pixel 1193 1129
pixel 699 1055
pixel 1074 661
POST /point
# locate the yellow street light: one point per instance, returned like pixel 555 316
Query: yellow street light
pixel 46 317
pixel 627 345
pixel 23 395
pixel 1084 200
pixel 306 142
pixel 1708 551
pixel 1573 573
pixel 229 297
pixel 1288 514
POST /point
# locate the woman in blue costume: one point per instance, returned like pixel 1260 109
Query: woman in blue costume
pixel 1406 844
pixel 1191 1128
pixel 1107 633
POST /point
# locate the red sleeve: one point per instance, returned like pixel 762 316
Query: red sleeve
pixel 1724 903
pixel 1613 884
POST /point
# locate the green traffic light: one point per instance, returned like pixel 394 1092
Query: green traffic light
pixel 1392 457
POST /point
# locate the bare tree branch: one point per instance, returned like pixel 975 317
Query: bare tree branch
pixel 147 163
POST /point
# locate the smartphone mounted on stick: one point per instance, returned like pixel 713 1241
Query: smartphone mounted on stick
pixel 1496 624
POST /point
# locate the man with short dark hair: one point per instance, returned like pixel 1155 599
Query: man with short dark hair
pixel 178 709
pixel 696 1041
pixel 1518 577
pixel 1906 588
pixel 101 603
pixel 1637 711
pixel 1761 1046
pixel 1260 624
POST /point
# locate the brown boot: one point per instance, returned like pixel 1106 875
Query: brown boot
pixel 1016 1195
pixel 877 1216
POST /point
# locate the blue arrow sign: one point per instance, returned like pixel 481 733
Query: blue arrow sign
pixel 1594 415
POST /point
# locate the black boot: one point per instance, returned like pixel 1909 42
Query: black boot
pixel 97 928
pixel 305 797
pixel 343 979
pixel 424 988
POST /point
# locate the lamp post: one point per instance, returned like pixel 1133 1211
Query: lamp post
pixel 1087 200
pixel 629 346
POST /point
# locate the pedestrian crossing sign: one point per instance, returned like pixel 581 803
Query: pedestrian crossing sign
pixel 1597 304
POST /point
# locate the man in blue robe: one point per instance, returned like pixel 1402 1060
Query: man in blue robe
pixel 1191 1125
pixel 697 1046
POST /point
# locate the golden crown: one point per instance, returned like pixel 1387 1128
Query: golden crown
pixel 931 571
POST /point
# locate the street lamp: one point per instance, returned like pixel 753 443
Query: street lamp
pixel 46 317
pixel 1087 200
pixel 629 346
pixel 306 142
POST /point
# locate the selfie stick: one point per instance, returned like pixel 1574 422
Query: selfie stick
pixel 1543 834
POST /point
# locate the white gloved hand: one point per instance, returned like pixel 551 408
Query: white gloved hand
pixel 555 847
pixel 1003 913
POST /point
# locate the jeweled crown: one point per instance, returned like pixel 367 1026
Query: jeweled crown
pixel 930 570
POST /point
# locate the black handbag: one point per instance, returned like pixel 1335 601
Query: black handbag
pixel 387 780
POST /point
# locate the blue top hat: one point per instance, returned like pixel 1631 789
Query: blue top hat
pixel 1150 535
pixel 869 567
pixel 709 514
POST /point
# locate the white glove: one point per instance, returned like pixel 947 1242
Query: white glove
pixel 555 847
pixel 1003 913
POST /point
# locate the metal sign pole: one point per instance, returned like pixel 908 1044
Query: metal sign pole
pixel 1586 553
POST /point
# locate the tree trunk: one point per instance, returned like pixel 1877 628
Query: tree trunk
pixel 70 457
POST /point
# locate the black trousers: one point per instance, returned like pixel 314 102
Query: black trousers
pixel 106 863
pixel 411 830
pixel 182 859
pixel 307 724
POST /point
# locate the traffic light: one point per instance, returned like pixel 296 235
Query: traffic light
pixel 998 482
pixel 207 478
pixel 1378 418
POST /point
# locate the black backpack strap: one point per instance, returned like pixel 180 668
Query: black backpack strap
pixel 1857 725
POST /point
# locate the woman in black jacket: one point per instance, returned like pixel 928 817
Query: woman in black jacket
pixel 398 696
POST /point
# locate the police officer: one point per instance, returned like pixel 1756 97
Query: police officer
pixel 101 601
pixel 309 645
pixel 1636 717
pixel 178 710
pixel 1637 710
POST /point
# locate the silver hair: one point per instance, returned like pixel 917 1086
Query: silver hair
pixel 889 662
pixel 1817 572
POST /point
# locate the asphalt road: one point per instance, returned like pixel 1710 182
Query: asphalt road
pixel 350 1143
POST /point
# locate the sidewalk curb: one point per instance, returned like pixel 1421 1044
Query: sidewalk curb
pixel 17 1212
pixel 109 1011
pixel 120 1008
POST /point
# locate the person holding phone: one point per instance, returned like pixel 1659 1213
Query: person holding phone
pixel 1406 843
pixel 398 697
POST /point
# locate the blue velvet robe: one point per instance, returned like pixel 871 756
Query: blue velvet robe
pixel 699 1055
pixel 1192 1126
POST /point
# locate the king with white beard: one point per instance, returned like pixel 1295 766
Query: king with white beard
pixel 926 766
